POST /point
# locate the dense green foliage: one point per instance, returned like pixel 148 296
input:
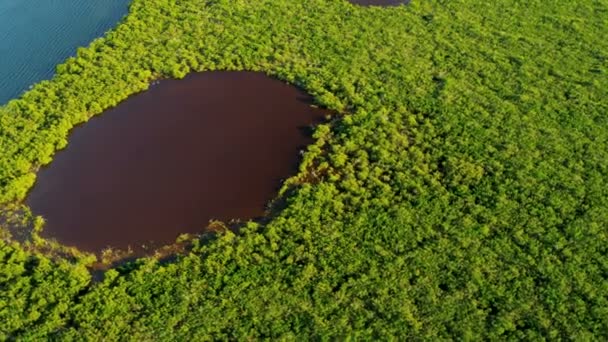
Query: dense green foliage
pixel 465 194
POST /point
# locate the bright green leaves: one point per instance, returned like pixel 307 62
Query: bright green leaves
pixel 460 194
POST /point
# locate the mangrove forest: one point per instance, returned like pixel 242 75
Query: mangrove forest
pixel 313 170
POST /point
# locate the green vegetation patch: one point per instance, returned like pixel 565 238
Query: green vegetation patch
pixel 463 194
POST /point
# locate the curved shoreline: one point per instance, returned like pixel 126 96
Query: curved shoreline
pixel 165 162
pixel 463 196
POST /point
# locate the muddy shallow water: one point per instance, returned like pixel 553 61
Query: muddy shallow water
pixel 380 2
pixel 214 145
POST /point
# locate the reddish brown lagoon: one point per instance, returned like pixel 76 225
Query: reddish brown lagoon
pixel 215 145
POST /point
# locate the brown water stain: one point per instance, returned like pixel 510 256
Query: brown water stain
pixel 215 145
pixel 380 2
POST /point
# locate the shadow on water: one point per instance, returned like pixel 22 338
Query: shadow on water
pixel 213 146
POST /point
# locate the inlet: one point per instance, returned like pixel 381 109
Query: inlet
pixel 213 146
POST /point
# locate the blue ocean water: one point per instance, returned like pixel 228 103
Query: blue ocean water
pixel 36 35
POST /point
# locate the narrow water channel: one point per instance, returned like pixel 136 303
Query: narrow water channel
pixel 214 145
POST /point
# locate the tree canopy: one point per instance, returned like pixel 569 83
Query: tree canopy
pixel 462 194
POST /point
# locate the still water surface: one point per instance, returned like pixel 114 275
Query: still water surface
pixel 36 35
pixel 214 145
